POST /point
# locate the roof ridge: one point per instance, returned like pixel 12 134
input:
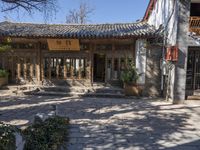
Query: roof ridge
pixel 97 24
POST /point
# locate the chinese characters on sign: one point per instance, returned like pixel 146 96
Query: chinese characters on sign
pixel 64 44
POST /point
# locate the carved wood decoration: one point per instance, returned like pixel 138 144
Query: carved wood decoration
pixel 32 62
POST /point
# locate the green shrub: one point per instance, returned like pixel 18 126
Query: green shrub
pixel 130 75
pixel 48 135
pixel 5 44
pixel 3 73
pixel 7 137
pixel 4 48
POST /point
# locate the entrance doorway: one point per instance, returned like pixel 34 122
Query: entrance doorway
pixel 193 70
pixel 99 67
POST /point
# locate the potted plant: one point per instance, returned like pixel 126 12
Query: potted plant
pixel 3 77
pixel 129 77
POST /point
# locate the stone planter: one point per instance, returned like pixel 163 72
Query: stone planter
pixel 132 89
pixel 3 81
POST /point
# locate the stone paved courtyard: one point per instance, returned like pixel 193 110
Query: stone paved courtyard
pixel 100 123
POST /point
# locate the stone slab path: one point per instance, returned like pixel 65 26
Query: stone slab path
pixel 104 123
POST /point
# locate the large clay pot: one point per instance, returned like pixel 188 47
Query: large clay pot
pixel 132 89
pixel 3 81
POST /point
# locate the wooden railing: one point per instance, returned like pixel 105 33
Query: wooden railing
pixel 195 24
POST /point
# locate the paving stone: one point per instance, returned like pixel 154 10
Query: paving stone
pixel 114 124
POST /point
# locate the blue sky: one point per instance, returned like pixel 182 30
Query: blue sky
pixel 106 11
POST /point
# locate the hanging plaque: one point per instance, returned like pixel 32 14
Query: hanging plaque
pixel 63 44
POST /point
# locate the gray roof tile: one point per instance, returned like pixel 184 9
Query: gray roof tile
pixel 123 30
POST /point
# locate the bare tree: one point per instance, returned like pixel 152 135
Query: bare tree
pixel 28 5
pixel 47 7
pixel 81 15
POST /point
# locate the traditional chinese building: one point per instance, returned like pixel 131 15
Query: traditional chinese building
pixel 44 53
pixel 181 49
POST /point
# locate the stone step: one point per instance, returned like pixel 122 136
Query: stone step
pixel 104 95
pixel 65 89
pixel 193 97
pixel 109 90
pixel 60 94
pixel 70 94
pixel 196 93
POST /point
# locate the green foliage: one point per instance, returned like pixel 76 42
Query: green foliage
pixel 129 75
pixel 5 45
pixel 3 73
pixel 48 135
pixel 7 137
pixel 4 48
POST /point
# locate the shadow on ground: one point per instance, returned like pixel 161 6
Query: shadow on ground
pixel 102 123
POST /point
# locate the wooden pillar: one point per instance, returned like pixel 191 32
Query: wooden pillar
pixel 3 61
pixel 18 69
pixel 42 61
pixel 25 68
pixel 93 47
pixel 119 69
pixel 49 68
pixel 88 67
pixel 133 50
pixel 65 69
pixel 57 68
pixel 113 56
pixel 71 68
pixel 12 68
pixel 79 69
pixel 89 64
pixel 38 63
pixel 31 68
pixel 106 69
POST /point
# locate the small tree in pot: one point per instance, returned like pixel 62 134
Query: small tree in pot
pixel 3 77
pixel 129 77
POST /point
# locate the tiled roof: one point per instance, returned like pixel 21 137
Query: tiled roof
pixel 123 30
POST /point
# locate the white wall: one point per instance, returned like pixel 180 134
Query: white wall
pixel 163 11
pixel 141 60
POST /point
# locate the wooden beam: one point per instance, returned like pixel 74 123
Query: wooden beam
pixel 149 9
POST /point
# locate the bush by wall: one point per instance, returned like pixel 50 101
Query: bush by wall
pixel 3 73
pixel 7 137
pixel 47 135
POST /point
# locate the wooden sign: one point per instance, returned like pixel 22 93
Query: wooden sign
pixel 63 44
pixel 172 53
